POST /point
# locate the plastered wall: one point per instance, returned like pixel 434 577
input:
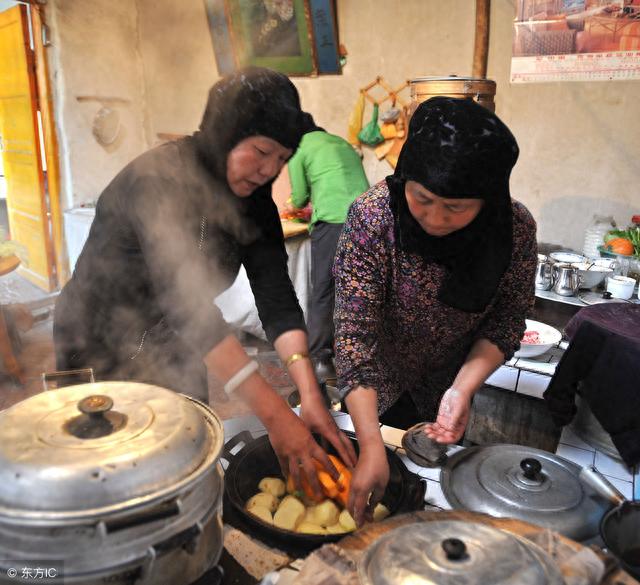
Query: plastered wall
pixel 579 141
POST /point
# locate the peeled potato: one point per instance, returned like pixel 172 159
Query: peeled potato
pixel 346 521
pixel 272 485
pixel 380 512
pixel 309 528
pixel 337 529
pixel 263 499
pixel 289 514
pixel 262 513
pixel 323 514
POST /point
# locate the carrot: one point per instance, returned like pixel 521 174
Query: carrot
pixel 334 489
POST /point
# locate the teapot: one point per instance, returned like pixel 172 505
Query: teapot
pixel 566 279
pixel 544 273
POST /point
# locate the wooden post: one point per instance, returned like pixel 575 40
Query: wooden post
pixel 481 45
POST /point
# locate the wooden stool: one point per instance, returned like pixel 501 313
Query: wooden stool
pixel 8 264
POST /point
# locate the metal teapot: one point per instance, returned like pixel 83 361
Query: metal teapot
pixel 566 279
pixel 544 273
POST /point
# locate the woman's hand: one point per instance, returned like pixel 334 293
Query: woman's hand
pixel 296 449
pixel 314 413
pixel 369 481
pixel 453 416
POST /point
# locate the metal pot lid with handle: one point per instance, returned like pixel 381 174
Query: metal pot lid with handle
pixel 102 448
pixel 515 481
pixel 453 552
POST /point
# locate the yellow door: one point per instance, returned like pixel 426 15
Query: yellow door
pixel 26 203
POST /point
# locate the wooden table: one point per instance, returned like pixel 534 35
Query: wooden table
pixel 8 264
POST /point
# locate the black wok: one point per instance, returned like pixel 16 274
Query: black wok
pixel 256 459
pixel 620 526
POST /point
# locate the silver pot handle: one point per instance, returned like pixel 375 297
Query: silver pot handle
pixel 591 477
pixel 55 380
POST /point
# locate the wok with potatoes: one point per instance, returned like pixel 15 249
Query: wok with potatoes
pixel 259 501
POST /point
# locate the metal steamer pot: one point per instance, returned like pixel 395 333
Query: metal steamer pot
pixel 514 481
pixel 451 552
pixel 119 482
pixel 256 459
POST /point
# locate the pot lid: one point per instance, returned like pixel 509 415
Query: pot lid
pixel 454 552
pixel 515 481
pixel 101 448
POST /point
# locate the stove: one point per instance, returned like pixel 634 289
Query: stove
pixel 228 571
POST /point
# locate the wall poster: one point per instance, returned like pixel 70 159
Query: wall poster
pixel 576 40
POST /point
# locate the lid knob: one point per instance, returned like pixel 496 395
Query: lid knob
pixel 531 468
pixel 97 419
pixel 454 548
pixel 96 404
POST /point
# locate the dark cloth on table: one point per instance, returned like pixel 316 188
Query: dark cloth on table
pixel 602 363
pixel 169 236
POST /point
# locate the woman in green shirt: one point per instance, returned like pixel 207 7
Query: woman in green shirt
pixel 327 171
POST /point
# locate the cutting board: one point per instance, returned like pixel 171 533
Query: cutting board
pixel 360 540
pixel 293 228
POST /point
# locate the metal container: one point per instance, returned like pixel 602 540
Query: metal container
pixel 566 280
pixel 514 481
pixel 118 481
pixel 455 552
pixel 544 273
pixel 477 89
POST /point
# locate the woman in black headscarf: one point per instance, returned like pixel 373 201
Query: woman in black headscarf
pixel 170 234
pixel 434 277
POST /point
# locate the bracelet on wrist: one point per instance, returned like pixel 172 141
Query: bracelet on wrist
pixel 240 376
pixel 294 357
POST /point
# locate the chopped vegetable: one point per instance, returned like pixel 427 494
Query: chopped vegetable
pixel 272 485
pixel 268 501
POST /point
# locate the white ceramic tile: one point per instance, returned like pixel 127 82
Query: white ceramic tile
pixel 232 426
pixel 612 467
pixel 392 436
pixel 435 497
pixel 636 487
pixel 432 473
pixel 410 465
pixel 545 368
pixel 512 361
pixel 345 423
pixel 580 456
pixel 532 384
pixel 568 437
pixel 504 377
pixel 624 487
pixel 563 344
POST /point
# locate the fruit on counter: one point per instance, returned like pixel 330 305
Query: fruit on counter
pixel 625 242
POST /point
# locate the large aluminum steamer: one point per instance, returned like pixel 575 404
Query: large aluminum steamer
pixel 119 482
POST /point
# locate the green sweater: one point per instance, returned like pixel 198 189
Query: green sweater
pixel 327 170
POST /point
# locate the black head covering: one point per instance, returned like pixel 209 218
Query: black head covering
pixel 458 149
pixel 254 101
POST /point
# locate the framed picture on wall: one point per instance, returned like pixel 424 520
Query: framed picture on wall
pixel 272 33
pixel 296 37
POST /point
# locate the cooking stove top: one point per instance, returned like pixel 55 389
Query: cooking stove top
pixel 228 571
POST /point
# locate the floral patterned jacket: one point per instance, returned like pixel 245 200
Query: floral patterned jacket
pixel 392 333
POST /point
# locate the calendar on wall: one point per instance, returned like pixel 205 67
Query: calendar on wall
pixel 576 40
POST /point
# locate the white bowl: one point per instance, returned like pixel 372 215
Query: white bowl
pixel 621 287
pixel 548 338
pixel 567 257
pixel 591 275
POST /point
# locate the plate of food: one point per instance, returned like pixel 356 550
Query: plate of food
pixel 538 338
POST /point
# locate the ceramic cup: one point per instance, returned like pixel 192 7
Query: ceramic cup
pixel 621 287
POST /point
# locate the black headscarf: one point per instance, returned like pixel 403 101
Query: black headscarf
pixel 458 149
pixel 254 101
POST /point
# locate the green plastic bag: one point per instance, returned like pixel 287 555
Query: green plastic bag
pixel 370 134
